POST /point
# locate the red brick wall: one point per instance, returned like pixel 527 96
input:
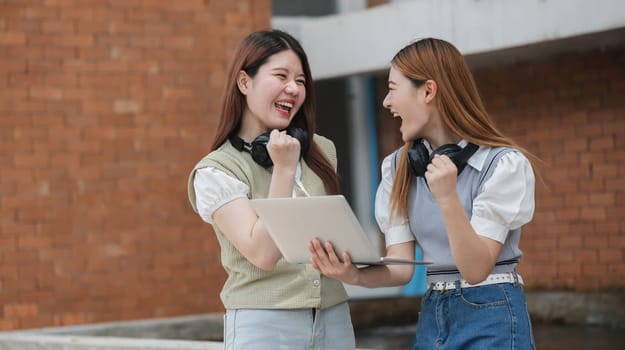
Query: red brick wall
pixel 104 108
pixel 569 110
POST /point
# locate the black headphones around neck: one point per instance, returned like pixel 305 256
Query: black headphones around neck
pixel 419 157
pixel 258 148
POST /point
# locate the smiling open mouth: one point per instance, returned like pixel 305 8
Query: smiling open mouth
pixel 284 106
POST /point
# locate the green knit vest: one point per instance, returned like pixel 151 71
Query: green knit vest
pixel 288 286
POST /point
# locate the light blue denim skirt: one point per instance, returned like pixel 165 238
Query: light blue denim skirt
pixel 295 329
pixel 493 316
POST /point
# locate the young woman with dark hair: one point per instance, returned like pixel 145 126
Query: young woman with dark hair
pixel 266 147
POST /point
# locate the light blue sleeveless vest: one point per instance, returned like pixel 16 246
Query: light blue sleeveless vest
pixel 426 221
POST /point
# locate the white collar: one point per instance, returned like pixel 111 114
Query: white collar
pixel 478 158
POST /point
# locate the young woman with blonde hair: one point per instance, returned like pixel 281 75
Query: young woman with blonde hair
pixel 459 189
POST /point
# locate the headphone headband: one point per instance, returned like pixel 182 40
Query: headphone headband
pixel 419 157
pixel 258 148
pixel 239 144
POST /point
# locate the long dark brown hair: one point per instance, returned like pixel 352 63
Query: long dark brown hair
pixel 458 101
pixel 252 53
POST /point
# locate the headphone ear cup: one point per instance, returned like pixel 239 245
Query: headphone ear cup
pixel 462 155
pixel 450 150
pixel 259 150
pixel 418 158
pixel 302 136
pixel 457 154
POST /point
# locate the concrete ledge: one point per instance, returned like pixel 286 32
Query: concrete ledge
pixel 194 327
pixel 205 331
pixel 575 308
pixel 34 341
pixel 605 309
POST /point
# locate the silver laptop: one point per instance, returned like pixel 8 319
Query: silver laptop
pixel 293 222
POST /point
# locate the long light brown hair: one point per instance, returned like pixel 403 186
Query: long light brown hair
pixel 252 53
pixel 458 101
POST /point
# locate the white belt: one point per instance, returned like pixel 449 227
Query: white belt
pixel 491 279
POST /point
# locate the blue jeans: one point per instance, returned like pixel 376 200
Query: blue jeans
pixel 493 316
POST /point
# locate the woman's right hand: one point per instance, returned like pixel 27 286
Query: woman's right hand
pixel 325 260
pixel 283 149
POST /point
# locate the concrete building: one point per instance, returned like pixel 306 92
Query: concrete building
pixel 551 75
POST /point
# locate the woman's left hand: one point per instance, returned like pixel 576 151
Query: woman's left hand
pixel 325 260
pixel 441 176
